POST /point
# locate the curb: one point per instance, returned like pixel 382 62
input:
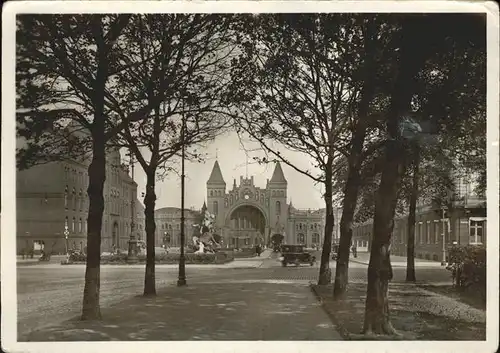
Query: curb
pixel 340 329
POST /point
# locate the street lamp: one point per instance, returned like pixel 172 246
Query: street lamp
pixel 66 234
pixel 443 258
pixel 132 244
pixel 182 260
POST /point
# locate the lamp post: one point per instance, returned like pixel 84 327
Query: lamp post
pixel 66 234
pixel 182 261
pixel 443 256
pixel 132 244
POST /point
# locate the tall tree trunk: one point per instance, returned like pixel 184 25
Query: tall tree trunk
pixel 377 318
pixel 149 212
pixel 411 60
pixel 325 275
pixel 349 205
pixel 353 183
pixel 410 250
pixel 97 176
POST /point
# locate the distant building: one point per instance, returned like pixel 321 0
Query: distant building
pixel 247 215
pixel 168 226
pixel 464 224
pixel 52 198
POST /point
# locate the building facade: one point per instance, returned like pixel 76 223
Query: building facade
pixel 52 200
pixel 247 215
pixel 436 229
pixel 168 226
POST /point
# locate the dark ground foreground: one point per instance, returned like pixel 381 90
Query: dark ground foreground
pixel 416 313
pixel 205 311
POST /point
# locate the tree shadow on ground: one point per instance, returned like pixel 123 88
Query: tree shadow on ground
pixel 205 312
pixel 412 315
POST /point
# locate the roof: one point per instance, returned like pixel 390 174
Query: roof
pixel 278 176
pixel 216 175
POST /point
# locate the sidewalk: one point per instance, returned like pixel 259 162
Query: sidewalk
pixel 416 313
pixel 396 261
pixel 205 311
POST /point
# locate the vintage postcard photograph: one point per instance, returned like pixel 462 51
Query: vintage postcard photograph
pixel 255 176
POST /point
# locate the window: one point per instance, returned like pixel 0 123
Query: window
pixel 80 196
pixel 177 226
pixel 301 239
pixel 315 238
pixel 476 228
pixel 216 208
pixel 74 199
pixel 278 207
pixel 80 228
pixel 211 193
pixel 66 197
pixel 73 225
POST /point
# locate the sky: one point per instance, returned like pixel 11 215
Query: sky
pixel 232 156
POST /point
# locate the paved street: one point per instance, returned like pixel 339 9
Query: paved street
pixel 48 294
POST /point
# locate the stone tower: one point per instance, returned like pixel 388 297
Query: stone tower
pixel 216 191
pixel 277 191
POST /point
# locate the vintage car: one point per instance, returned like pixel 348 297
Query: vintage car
pixel 295 254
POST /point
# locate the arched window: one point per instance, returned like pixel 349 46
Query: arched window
pixel 86 225
pixel 170 227
pixel 216 208
pixel 273 193
pixel 231 199
pixel 80 196
pixel 73 225
pixel 66 197
pixel 74 199
pixel 301 239
pixel 211 193
pixel 278 207
pixel 80 226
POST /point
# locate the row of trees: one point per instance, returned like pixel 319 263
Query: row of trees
pixel 370 99
pixel 151 83
pixel 352 92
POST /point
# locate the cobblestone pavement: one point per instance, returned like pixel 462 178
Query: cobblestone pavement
pixel 206 311
pixel 50 294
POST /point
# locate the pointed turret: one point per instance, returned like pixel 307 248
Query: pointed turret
pixel 278 176
pixel 216 175
pixel 204 207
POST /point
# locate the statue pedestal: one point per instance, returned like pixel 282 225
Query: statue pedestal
pixel 132 251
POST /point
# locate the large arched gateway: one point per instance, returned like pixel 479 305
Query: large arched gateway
pixel 245 226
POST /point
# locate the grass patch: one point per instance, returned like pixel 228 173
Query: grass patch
pixel 407 316
pixel 469 297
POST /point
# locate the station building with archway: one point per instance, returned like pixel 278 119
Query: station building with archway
pixel 247 214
